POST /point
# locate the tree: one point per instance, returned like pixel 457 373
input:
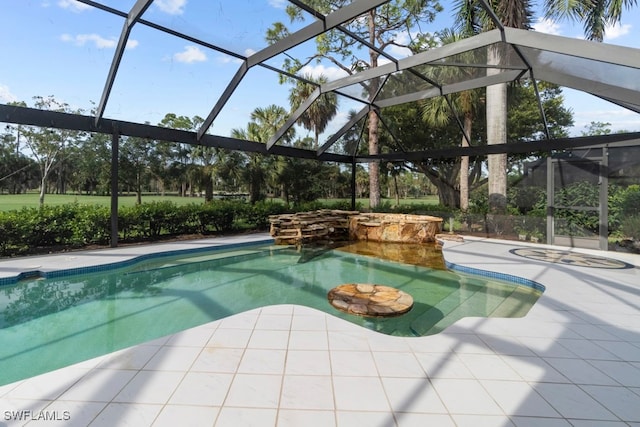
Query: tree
pixel 263 125
pixel 382 27
pixel 596 15
pixel 318 115
pixel 437 111
pixel 474 19
pixel 134 164
pixel 524 122
pixel 47 145
pixel 17 171
pixel 597 128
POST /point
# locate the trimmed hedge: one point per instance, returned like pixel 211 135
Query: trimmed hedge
pixel 76 225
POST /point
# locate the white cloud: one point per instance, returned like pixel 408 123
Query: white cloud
pixel 99 41
pixel 544 25
pixel 73 5
pixel 190 54
pixel 6 96
pixel 331 73
pixel 619 118
pixel 172 7
pixel 615 31
pixel 278 4
pixel 248 52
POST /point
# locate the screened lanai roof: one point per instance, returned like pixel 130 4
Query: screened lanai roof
pixel 221 74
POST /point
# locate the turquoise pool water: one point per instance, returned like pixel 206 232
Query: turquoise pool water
pixel 50 323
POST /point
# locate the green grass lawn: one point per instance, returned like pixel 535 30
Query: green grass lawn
pixel 18 201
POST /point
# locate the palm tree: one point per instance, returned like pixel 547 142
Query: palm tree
pixel 438 112
pixel 596 15
pixel 318 115
pixel 263 125
pixel 473 19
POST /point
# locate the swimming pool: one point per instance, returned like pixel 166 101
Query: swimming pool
pixel 54 322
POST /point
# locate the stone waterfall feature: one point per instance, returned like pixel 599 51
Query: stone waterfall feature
pixel 332 224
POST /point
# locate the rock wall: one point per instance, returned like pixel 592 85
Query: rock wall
pixel 382 227
pixel 326 224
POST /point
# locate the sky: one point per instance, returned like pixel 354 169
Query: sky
pixel 64 48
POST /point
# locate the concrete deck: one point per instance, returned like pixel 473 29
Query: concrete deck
pixel 574 360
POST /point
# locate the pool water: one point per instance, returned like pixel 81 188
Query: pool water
pixel 51 323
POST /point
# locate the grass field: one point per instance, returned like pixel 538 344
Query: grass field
pixel 18 201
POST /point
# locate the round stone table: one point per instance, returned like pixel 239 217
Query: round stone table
pixel 364 299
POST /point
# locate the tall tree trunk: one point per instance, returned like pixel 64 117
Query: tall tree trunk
pixel 374 167
pixel 43 189
pixel 464 166
pixel 497 134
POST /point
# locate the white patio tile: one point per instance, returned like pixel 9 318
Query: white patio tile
pixel 246 320
pixel 592 332
pixel 580 371
pixel 482 420
pixel 534 369
pixel 99 385
pixel 623 350
pixel 131 358
pixel 439 343
pixel 66 414
pixel 269 339
pixel 462 396
pixel 624 373
pixel 381 342
pixel 540 422
pixel 173 359
pixel 194 337
pixel 397 364
pixel 262 361
pixel 471 344
pixel 586 349
pixel 297 418
pixel 249 417
pixel 359 394
pixel 506 345
pixel 413 395
pixel 305 322
pixel 353 363
pixel 214 359
pixel 308 362
pixel 545 347
pixel 278 322
pixel 519 398
pixel 443 365
pixel 307 392
pixel 150 387
pixel 48 386
pixel 279 309
pixel 599 423
pixel 308 340
pixel 254 391
pixel 202 388
pixel 230 338
pixel 619 400
pixel 127 415
pixel 365 418
pixel 182 415
pixel 572 402
pixel 489 367
pixel 348 340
